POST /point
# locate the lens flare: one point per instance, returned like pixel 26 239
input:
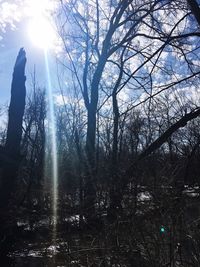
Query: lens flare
pixel 54 157
pixel 162 229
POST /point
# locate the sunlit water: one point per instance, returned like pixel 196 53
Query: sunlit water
pixel 54 157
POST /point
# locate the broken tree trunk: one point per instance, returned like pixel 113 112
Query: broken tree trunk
pixel 17 105
pixel 11 153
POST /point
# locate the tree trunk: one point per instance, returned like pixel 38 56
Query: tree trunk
pixel 89 192
pixel 17 105
pixel 12 150
pixel 115 201
pixel 195 9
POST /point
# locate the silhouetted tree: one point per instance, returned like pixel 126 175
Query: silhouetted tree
pixel 12 150
pixel 17 106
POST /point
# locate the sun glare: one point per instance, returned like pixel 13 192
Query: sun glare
pixel 40 29
pixel 42 33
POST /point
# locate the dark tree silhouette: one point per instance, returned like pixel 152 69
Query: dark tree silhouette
pixel 12 157
pixel 17 105
pixel 195 9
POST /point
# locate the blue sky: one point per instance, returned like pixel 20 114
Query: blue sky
pixel 14 34
pixel 13 40
pixel 9 47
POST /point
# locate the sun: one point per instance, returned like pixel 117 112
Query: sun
pixel 42 33
pixel 40 27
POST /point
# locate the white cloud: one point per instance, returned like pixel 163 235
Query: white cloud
pixel 9 14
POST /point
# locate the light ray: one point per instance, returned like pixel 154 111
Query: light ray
pixel 54 156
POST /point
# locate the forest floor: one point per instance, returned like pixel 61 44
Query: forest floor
pixel 150 236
